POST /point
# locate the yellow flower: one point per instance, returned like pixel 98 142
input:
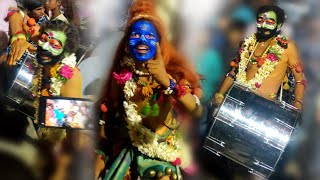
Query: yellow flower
pixel 147 90
pixel 53 70
pixel 45 92
pixel 169 140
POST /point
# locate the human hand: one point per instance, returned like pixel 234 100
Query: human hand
pixel 217 99
pixel 157 69
pixel 17 49
pixel 297 104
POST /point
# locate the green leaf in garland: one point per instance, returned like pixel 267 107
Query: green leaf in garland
pixel 146 110
pixel 155 110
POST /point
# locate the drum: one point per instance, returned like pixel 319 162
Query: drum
pixel 251 131
pixel 18 84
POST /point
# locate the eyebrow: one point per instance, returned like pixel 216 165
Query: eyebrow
pixel 53 38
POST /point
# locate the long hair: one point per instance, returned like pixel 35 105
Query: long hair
pixel 176 64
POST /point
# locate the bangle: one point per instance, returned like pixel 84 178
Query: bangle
pixel 102 122
pixel 230 75
pixel 20 32
pixel 17 37
pixel 171 87
pixel 197 103
pixel 302 82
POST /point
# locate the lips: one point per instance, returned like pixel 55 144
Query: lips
pixel 142 49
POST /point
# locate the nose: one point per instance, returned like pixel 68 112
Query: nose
pixel 143 38
pixel 264 24
pixel 45 46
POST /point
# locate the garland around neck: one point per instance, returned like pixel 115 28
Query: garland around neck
pixel 61 73
pixel 271 59
pixel 147 141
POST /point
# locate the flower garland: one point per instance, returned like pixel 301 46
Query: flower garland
pixel 266 63
pixel 60 74
pixel 145 140
pixel 173 149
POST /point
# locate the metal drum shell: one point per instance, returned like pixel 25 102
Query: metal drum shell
pixel 19 83
pixel 251 130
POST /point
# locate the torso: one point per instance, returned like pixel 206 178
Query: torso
pixel 156 124
pixel 272 83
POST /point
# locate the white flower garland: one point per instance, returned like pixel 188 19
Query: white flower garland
pixel 145 140
pixel 56 82
pixel 264 71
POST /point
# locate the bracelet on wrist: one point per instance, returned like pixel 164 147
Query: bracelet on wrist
pixel 171 87
pixel 198 103
pixel 18 37
pixel 230 75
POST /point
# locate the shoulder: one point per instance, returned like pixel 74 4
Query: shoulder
pixel 76 73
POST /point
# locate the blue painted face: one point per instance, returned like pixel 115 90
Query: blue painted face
pixel 143 37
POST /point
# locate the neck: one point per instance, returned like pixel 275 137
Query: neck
pixel 55 12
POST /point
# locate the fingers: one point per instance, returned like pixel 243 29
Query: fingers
pixel 16 55
pixel 11 55
pixel 158 55
pixel 32 48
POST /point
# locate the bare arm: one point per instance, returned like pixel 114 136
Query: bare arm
pixel 296 68
pixel 225 86
pixel 191 103
pixel 15 23
pixel 73 87
pixel 18 46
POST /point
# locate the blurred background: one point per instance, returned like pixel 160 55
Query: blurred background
pixel 208 32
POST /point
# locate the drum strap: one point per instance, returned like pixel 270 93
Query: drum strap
pixel 281 91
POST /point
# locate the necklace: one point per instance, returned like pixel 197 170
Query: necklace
pixel 267 62
pixel 38 94
pixel 141 73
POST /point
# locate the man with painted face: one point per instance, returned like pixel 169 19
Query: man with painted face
pixel 264 58
pixel 56 47
pixel 149 88
pixel 263 63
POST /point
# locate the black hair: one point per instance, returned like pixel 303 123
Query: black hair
pixel 281 17
pixel 72 34
pixel 30 5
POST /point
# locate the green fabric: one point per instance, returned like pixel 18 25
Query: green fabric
pixel 121 165
pixel 144 165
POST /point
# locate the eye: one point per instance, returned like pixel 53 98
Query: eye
pixel 135 35
pixel 150 36
pixel 55 44
pixel 271 22
pixel 260 20
pixel 44 38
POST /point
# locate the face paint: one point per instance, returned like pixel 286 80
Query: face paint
pixel 143 37
pixel 267 25
pixel 267 20
pixel 51 47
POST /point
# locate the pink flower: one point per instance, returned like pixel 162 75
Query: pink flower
pixel 257 85
pixel 176 162
pixel 66 72
pixel 123 77
pixel 272 57
pixel 240 50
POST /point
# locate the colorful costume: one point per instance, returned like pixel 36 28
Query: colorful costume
pixel 143 117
